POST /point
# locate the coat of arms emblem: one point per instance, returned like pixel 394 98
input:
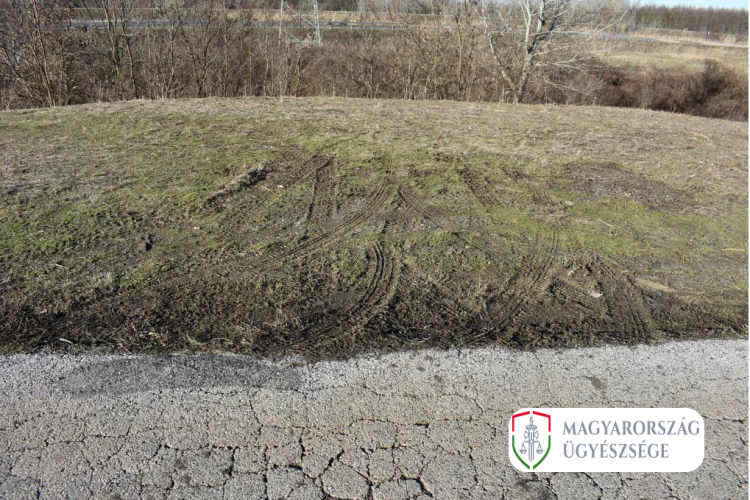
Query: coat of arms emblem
pixel 531 440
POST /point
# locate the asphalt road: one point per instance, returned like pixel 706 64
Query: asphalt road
pixel 411 425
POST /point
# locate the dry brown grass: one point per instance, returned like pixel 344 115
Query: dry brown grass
pixel 717 91
pixel 381 225
pixel 674 54
pixel 233 59
pixel 700 37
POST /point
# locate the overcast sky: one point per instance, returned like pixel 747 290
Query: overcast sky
pixel 729 4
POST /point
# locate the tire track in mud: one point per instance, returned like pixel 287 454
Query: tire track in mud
pixel 383 276
pixel 329 236
pixel 317 159
pixel 565 291
pixel 435 215
pixel 437 295
pixel 307 166
pixel 622 299
pixel 288 169
pixel 521 287
pixel 530 279
pixel 532 273
pixel 322 239
pixel 524 285
pixel 428 292
pixel 324 201
pixel 187 280
pixel 479 187
pixel 324 204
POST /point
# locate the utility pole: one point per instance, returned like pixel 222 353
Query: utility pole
pixel 318 40
pixel 300 21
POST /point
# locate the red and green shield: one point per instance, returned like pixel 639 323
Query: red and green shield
pixel 532 447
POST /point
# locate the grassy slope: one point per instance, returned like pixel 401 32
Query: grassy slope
pixel 673 54
pixel 83 189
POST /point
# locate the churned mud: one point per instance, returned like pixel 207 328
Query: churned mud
pixel 324 252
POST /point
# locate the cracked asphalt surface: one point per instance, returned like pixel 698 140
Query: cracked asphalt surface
pixel 421 425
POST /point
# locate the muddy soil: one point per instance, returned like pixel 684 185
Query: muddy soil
pixel 339 248
pixel 289 299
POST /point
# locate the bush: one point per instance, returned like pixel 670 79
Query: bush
pixel 716 91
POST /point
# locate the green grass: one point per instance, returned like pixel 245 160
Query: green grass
pixel 82 188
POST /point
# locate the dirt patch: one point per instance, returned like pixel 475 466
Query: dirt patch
pixel 324 204
pixel 480 187
pixel 609 179
pixel 285 302
pixel 339 246
pixel 244 180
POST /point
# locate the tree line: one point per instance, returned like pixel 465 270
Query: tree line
pixel 722 21
pixel 58 52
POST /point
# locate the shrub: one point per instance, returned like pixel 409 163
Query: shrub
pixel 716 91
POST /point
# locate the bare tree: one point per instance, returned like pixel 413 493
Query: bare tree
pixel 116 23
pixel 160 54
pixel 199 32
pixel 38 50
pixel 525 36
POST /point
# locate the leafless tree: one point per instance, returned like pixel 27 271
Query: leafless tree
pixel 525 36
pixel 160 50
pixel 198 29
pixel 38 50
pixel 116 23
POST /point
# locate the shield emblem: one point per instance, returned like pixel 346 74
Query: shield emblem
pixel 531 437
